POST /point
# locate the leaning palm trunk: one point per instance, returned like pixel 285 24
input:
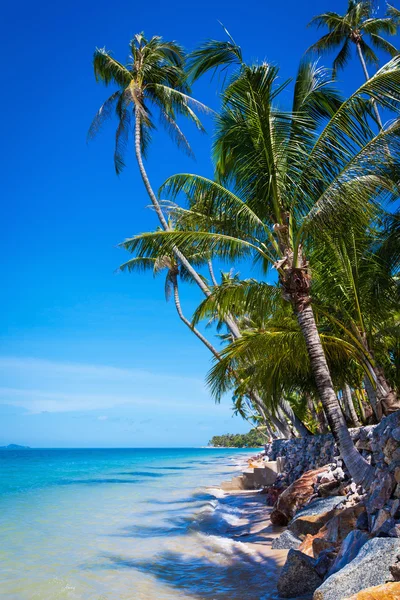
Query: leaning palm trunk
pixel 296 283
pixel 178 254
pixel 371 394
pixel 364 66
pixel 187 322
pixel 349 406
pixel 386 398
pixel 297 424
pixel 279 425
pixel 359 469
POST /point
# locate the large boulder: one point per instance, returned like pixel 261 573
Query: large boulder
pixel 312 517
pixel 286 541
pixel 387 591
pixel 298 576
pixel 371 567
pixel 349 549
pixel 297 495
pixel 340 524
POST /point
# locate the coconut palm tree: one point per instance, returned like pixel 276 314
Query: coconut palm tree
pixel 353 281
pixel 282 180
pixel 154 77
pixel 357 27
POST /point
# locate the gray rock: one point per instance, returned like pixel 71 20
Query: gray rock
pixel 395 531
pixel 349 549
pixel 380 491
pixel 396 434
pixel 286 541
pixel 362 521
pixel 368 569
pixel 298 576
pixel 324 561
pixel 319 506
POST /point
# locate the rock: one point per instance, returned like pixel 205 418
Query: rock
pixel 327 477
pixel 395 508
pixel 369 568
pixel 339 474
pixel 340 525
pixel 397 474
pixel 286 541
pixel 381 517
pixel 349 549
pixel 295 497
pixel 395 531
pixel 387 591
pixel 396 434
pixel 362 521
pixel 395 571
pixel 325 561
pixel 331 488
pixel 312 517
pixel 380 491
pixel 298 576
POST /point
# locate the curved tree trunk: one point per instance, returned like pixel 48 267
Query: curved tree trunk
pixel 188 323
pixel 348 402
pixel 297 423
pixel 359 469
pixel 252 396
pixel 178 254
pixel 371 393
pixel 364 66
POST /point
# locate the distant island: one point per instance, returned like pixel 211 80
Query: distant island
pixel 252 439
pixel 14 447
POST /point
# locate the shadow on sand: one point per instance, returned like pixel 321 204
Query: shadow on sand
pixel 233 573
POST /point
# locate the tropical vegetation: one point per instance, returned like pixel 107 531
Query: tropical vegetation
pixel 252 439
pixel 306 193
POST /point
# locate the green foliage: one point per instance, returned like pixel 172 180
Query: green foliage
pixel 153 78
pixel 252 439
pixel 357 26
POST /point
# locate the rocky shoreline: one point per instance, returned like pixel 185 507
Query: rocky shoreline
pixel 342 543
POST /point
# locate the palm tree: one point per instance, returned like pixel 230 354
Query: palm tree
pixel 154 77
pixel 295 176
pixel 360 28
pixel 353 282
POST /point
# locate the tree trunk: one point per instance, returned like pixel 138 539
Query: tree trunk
pixel 188 323
pixel 297 424
pixel 178 254
pixel 364 66
pixel 385 397
pixel 359 469
pixel 348 401
pixel 385 394
pixel 371 394
pixel 280 417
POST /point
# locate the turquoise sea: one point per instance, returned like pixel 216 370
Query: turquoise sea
pixel 122 524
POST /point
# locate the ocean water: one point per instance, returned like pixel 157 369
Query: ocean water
pixel 122 524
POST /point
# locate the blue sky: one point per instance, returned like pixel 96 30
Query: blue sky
pixel 89 357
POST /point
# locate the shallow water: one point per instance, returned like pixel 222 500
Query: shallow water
pixel 123 524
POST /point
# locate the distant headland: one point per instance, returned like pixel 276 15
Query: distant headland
pixel 14 447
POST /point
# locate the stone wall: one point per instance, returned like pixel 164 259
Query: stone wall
pixel 312 452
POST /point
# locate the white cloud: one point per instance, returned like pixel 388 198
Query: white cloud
pixel 53 386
